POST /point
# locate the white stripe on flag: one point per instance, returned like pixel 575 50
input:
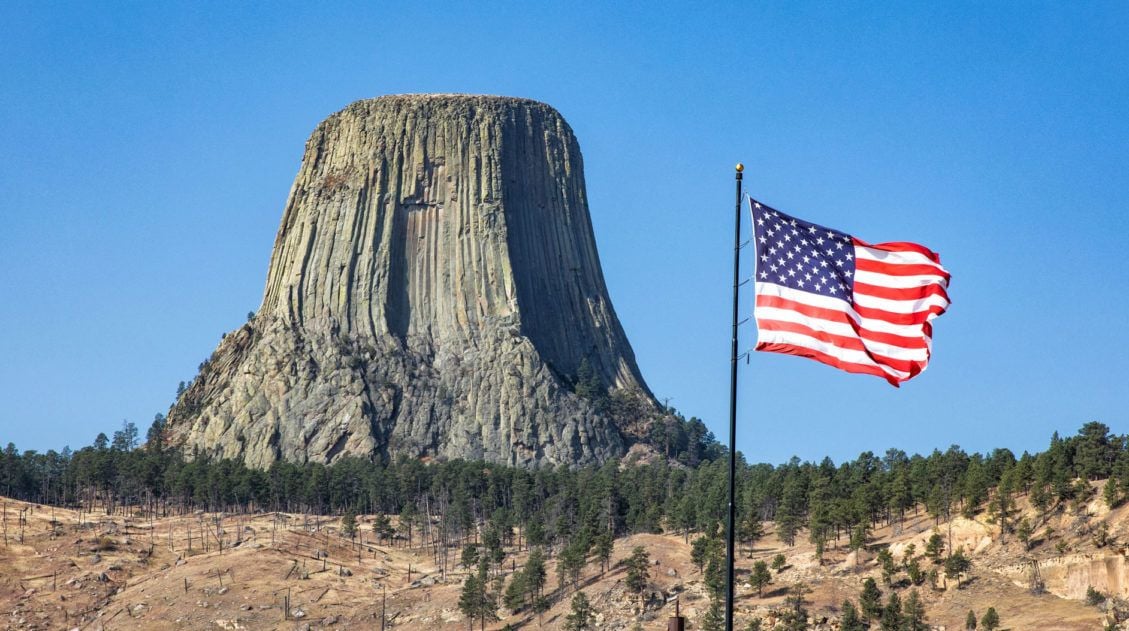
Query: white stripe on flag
pixel 824 302
pixel 899 282
pixel 900 306
pixel 842 354
pixel 900 257
pixel 839 328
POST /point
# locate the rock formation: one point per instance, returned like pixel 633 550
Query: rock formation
pixel 434 291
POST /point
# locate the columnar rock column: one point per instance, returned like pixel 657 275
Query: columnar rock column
pixel 433 291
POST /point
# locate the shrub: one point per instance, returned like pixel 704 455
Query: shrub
pixel 779 563
pixel 104 544
pixel 1101 536
pixel 1094 597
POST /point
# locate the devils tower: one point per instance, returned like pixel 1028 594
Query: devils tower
pixel 434 291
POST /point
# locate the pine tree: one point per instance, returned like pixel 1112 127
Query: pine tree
pixel 760 577
pixel 850 620
pixel 638 571
pixel 886 561
pixel 1040 497
pixel 909 554
pixel 349 524
pixel 892 614
pixel 700 552
pixel 571 563
pixel 1024 531
pixel 1081 494
pixel 751 531
pixel 913 611
pixel 685 514
pixel 819 510
pixel 486 605
pixel 469 556
pixel 991 620
pixel 154 438
pixel 534 572
pixel 580 617
pixel 976 483
pixel 126 438
pixel 1112 493
pixel 1094 452
pixel 714 618
pixel 935 547
pixel 970 621
pixel 492 545
pixel 470 598
pixel 859 536
pixel 541 604
pixel 604 546
pixel 715 577
pixel 516 592
pixel 590 386
pixel 957 565
pixel 382 527
pixel 779 563
pixel 408 516
pixel 914 571
pixel 788 513
pixel 535 533
pixel 870 601
pixel 795 614
pixel 1003 503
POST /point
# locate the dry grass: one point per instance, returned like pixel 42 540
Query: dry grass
pixel 144 576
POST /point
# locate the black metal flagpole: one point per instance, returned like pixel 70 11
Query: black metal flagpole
pixel 730 531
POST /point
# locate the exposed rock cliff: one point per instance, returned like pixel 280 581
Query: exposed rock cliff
pixel 433 291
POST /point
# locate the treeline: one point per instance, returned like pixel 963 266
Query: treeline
pixel 828 501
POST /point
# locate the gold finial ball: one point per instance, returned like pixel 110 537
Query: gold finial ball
pixel 740 167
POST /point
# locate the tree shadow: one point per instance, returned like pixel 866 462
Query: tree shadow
pixel 530 617
pixel 773 593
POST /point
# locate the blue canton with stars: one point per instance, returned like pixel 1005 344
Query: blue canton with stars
pixel 801 255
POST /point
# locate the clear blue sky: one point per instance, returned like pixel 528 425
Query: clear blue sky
pixel 149 147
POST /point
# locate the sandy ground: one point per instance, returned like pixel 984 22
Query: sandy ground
pixel 92 571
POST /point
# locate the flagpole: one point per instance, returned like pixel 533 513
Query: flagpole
pixel 729 533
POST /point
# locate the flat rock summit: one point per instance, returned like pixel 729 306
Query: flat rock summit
pixel 435 292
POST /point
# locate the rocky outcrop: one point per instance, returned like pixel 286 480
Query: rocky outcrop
pixel 434 291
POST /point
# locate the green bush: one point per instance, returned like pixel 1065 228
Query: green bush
pixel 1094 597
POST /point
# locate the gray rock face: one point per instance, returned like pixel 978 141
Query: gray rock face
pixel 433 290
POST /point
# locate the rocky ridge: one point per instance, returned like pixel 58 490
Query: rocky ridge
pixel 434 291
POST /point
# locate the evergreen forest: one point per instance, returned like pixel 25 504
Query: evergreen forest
pixel 685 493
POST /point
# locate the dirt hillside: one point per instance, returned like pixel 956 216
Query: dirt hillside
pixel 65 569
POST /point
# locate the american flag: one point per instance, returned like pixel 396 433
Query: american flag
pixel 824 294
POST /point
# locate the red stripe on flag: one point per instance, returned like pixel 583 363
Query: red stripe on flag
pixel 900 293
pixel 801 351
pixel 920 317
pixel 893 269
pixel 849 343
pixel 901 246
pixel 841 317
